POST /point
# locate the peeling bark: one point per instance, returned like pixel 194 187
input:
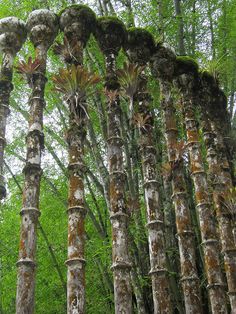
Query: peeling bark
pixel 42 26
pixel 216 288
pixel 12 37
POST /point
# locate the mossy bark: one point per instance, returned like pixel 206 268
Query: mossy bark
pixel 216 288
pixel 32 170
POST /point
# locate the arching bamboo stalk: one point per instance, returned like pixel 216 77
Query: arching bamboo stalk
pixel 163 68
pixel 42 26
pixel 77 23
pixel 219 173
pixel 140 45
pixel 110 34
pixel 187 71
pixel 12 36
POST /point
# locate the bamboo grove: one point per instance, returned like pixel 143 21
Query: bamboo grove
pixel 184 204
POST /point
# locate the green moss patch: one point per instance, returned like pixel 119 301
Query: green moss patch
pixel 139 36
pixel 81 8
pixel 185 64
pixel 110 33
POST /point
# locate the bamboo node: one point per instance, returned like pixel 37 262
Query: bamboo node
pixel 33 210
pixel 113 139
pixel 176 194
pixel 37 98
pixel 26 262
pixel 215 285
pixel 189 278
pixel 171 130
pixel 79 165
pixel 118 172
pixel 79 209
pixel 158 271
pixel 121 265
pixel 203 204
pixel 73 261
pixel 197 172
pixel 32 167
pixel 117 215
pixel 209 241
pixel 154 223
pixel 145 184
pixel 192 143
pixel 184 233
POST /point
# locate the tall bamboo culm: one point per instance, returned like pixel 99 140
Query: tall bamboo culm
pixel 220 178
pixel 12 36
pixel 187 72
pixel 76 22
pixel 42 26
pixel 140 45
pixel 110 34
pixel 163 63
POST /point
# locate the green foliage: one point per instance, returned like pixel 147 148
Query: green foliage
pixel 74 81
pixel 27 69
pixel 214 68
pixel 129 79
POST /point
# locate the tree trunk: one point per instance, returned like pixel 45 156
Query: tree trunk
pixel 11 42
pixel 41 37
pixel 180 23
pixel 204 207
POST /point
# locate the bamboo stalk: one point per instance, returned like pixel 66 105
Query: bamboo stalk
pixel 110 36
pixel 76 22
pixel 42 27
pixel 220 178
pixel 139 48
pixel 216 287
pixel 12 37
